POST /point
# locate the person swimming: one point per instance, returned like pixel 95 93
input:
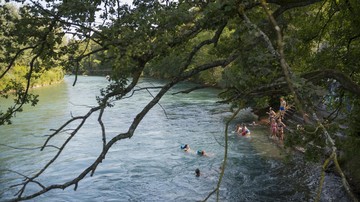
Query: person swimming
pixel 201 153
pixel 245 130
pixel 197 172
pixel 185 147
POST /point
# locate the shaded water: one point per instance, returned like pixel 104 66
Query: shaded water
pixel 150 166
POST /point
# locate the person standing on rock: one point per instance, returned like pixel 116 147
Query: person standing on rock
pixel 280 127
pixel 282 107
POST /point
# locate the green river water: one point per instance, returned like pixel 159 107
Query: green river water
pixel 151 166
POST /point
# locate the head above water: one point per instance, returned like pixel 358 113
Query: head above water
pixel 200 152
pixel 185 147
pixel 197 172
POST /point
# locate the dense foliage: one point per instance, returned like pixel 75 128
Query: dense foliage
pixel 231 44
pixel 18 75
pixel 20 70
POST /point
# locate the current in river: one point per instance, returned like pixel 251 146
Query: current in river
pixel 150 166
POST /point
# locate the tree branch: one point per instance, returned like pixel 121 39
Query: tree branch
pixel 14 59
pixel 214 40
pixel 143 59
pixel 191 90
pixel 333 157
pixel 285 66
pixel 217 189
pixel 118 137
pixel 290 5
pixel 346 82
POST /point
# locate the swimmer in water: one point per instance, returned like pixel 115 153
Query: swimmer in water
pixel 238 128
pixel 197 172
pixel 245 131
pixel 201 153
pixel 185 147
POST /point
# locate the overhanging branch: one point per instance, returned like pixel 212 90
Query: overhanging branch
pixel 346 82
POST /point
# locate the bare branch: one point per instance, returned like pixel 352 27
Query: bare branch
pixel 214 41
pixel 210 194
pixel 322 177
pixel 14 59
pixel 28 148
pixel 225 157
pixel 42 44
pixel 333 157
pixel 26 177
pixel 349 41
pixel 140 89
pixel 91 168
pixel 191 89
pixel 118 92
pixel 218 63
pixel 102 127
pixel 60 129
pixel 158 103
pixel 78 60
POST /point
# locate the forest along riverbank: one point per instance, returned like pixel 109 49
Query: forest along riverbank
pixel 151 165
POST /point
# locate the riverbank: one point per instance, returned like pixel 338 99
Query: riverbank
pixel 16 78
pixel 350 164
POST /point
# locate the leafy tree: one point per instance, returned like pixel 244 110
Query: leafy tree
pixel 17 44
pixel 256 51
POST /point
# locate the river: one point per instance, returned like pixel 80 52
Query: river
pixel 151 166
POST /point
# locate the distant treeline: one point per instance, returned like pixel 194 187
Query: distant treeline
pixel 18 74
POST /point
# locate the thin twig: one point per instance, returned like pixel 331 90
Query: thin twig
pixel 225 157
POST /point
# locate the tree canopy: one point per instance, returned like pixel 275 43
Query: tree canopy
pixel 304 50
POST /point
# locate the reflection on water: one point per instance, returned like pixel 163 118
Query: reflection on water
pixel 151 166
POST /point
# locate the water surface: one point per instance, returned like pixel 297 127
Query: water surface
pixel 151 166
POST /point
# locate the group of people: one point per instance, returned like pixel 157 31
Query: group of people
pixel 276 124
pixel 276 128
pixel 186 148
pixel 242 130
